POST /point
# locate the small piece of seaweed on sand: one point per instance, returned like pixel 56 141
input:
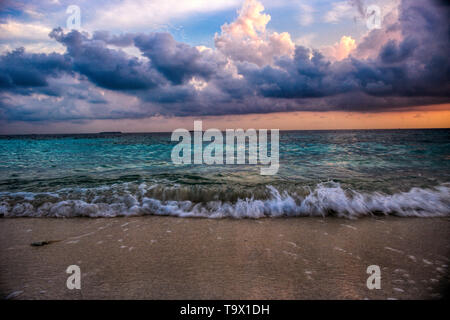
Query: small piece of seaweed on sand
pixel 42 243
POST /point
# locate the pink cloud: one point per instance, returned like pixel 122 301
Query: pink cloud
pixel 246 39
pixel 341 49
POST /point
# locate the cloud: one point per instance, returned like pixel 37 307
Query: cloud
pixel 306 14
pixel 19 69
pixel 340 50
pixel 146 13
pixel 14 30
pixel 251 70
pixel 108 68
pixel 359 5
pixel 340 10
pixel 33 36
pixel 306 40
pixel 413 70
pixel 246 39
pixel 177 61
pixel 371 44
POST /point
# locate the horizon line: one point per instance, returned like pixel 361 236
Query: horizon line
pixel 147 132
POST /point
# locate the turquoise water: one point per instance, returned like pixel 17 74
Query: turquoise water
pixel 345 173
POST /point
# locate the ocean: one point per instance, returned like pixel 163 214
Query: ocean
pixel 344 173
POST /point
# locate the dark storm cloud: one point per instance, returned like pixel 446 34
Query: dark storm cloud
pixel 113 69
pixel 123 40
pixel 168 78
pixel 394 52
pixel 177 61
pixel 108 68
pixel 412 71
pixel 20 69
pixel 299 77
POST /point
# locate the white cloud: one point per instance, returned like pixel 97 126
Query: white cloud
pixel 340 10
pixel 306 14
pixel 246 39
pixel 152 13
pixel 306 40
pixel 356 9
pixel 14 30
pixel 32 36
pixel 341 49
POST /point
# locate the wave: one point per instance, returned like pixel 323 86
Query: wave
pixel 326 199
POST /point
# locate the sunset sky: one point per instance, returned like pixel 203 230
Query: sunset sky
pixel 157 65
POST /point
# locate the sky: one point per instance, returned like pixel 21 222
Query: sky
pixel 158 65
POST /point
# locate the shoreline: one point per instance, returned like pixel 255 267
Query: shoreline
pixel 154 257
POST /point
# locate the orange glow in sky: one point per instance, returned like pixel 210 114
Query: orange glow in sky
pixel 437 116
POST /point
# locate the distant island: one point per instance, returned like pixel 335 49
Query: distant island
pixel 110 132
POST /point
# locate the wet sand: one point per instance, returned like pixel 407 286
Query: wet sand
pixel 178 258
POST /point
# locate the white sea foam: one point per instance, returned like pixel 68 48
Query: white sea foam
pixel 325 200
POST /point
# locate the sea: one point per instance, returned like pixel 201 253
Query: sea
pixel 341 173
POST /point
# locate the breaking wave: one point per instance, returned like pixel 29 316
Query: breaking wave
pixel 326 199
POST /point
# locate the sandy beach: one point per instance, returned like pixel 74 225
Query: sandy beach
pixel 179 258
